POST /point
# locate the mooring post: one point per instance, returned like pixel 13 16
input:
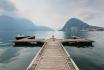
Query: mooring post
pixel 53 37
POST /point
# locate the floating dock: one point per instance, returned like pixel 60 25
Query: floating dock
pixel 32 41
pixel 28 41
pixel 77 42
pixel 52 56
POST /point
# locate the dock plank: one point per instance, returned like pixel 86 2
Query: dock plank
pixel 52 57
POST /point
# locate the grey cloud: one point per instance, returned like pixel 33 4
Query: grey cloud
pixel 96 4
pixel 59 11
pixel 6 7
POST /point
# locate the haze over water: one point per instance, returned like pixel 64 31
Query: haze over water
pixel 18 58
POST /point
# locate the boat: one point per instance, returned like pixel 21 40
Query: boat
pixel 18 37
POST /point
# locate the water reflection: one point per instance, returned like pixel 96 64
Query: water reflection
pixel 18 58
pixel 79 34
pixel 7 55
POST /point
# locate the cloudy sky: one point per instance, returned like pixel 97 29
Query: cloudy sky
pixel 54 13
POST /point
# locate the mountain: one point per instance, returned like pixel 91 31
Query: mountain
pixel 14 23
pixel 43 28
pixel 75 24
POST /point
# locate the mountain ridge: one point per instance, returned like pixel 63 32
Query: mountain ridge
pixel 16 23
pixel 77 24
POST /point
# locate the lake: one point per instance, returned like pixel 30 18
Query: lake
pixel 18 58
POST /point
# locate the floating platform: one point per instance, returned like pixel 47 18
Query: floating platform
pixel 52 55
pixel 77 42
pixel 28 41
pixel 32 41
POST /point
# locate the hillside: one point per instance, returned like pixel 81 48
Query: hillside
pixel 14 23
pixel 76 24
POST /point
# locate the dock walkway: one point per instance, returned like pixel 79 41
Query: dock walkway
pixel 52 56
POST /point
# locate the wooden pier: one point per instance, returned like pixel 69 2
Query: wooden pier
pixel 26 41
pixel 77 42
pixel 52 56
pixel 31 41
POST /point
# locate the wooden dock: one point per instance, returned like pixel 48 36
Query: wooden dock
pixel 29 41
pixel 77 42
pixel 52 56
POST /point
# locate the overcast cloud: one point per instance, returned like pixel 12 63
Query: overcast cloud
pixel 54 13
pixel 7 7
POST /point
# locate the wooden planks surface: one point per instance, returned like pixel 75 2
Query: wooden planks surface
pixel 52 56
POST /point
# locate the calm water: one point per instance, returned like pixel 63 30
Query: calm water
pixel 18 58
